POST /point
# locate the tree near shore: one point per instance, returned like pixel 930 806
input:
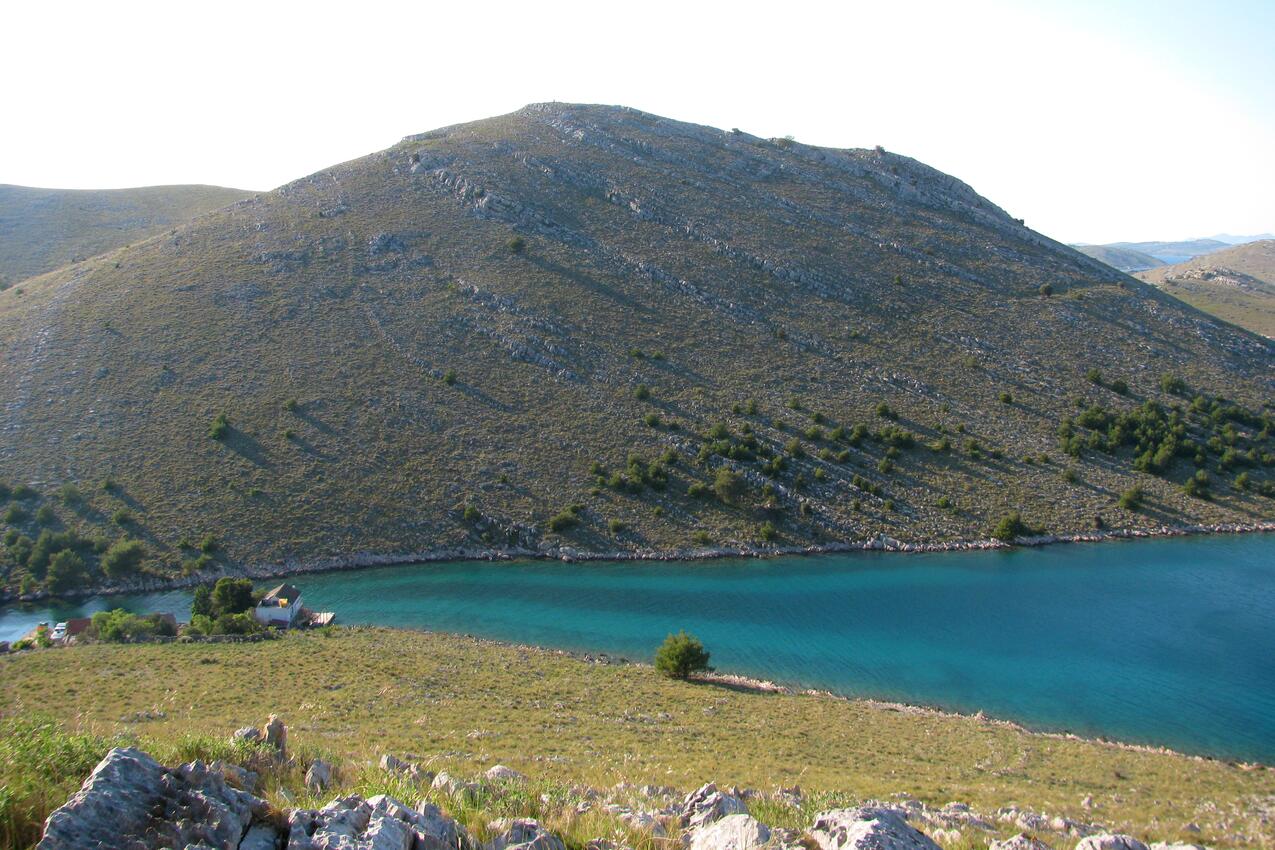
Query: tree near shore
pixel 681 655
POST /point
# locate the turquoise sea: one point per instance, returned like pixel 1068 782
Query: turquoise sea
pixel 1166 641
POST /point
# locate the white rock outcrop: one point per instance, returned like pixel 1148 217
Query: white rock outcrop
pixel 868 829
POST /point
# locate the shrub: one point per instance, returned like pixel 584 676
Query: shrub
pixel 120 626
pixel 1197 485
pixel 123 558
pixel 1093 376
pixel 23 493
pixel 727 485
pixel 66 571
pixel 69 494
pixel 1242 481
pixel 563 520
pixel 220 427
pixel 886 466
pixel 767 531
pixel 517 245
pixel 231 596
pixel 642 392
pixel 814 433
pixel 944 502
pixel 1006 397
pixel 697 489
pixel 44 515
pixel 1046 290
pixel 1012 526
pixel 472 514
pixel 681 655
pixel 122 517
pixel 652 420
pixel 1172 384
pixel 236 624
pixel 201 601
pixel 1069 475
pixel 449 377
pixel 1119 387
pixel 616 526
pixel 885 412
pixel 290 405
pixel 1131 499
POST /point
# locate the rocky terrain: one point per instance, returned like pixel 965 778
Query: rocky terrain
pixel 590 329
pixel 131 802
pixel 45 229
pixel 1236 284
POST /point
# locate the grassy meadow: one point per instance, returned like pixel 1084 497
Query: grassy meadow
pixel 463 704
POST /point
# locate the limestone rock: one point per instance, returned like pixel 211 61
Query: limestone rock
pixel 707 804
pixel 732 832
pixel 500 773
pixel 867 829
pixel 1110 841
pixel 436 831
pixel 262 836
pixel 452 786
pixel 524 834
pixel 247 734
pixel 1022 841
pixel 131 800
pixel 319 776
pixel 277 734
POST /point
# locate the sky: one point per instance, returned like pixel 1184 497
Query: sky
pixel 1094 121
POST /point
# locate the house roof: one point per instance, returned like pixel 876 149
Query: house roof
pixel 283 591
pixel 77 625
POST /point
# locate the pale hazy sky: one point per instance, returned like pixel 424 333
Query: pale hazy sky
pixel 1094 121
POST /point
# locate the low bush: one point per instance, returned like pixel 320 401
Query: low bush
pixel 681 655
pixel 123 558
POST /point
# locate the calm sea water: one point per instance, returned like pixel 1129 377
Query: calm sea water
pixel 1168 641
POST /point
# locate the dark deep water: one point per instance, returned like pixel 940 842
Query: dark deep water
pixel 1167 641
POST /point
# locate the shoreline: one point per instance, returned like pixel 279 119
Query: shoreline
pixel 568 554
pixel 766 687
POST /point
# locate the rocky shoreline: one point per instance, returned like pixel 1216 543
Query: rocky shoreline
pixel 364 560
pixel 132 801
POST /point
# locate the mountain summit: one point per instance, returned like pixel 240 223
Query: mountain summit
pixel 588 328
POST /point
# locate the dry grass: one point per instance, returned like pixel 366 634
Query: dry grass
pixel 462 705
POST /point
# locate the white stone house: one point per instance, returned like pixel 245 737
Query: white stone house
pixel 279 608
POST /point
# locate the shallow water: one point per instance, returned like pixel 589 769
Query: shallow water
pixel 1166 641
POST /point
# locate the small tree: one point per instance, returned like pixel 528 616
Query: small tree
pixel 727 485
pixel 66 571
pixel 201 604
pixel 123 558
pixel 681 655
pixel 231 596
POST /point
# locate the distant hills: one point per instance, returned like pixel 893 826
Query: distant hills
pixel 1236 284
pixel 587 328
pixel 42 229
pixel 1138 256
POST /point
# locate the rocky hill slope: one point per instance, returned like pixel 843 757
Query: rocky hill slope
pixel 44 229
pixel 1236 284
pixel 590 328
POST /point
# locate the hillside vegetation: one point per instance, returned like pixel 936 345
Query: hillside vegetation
pixel 44 229
pixel 587 328
pixel 463 705
pixel 1236 284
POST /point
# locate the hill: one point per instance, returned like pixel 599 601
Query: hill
pixel 590 329
pixel 1173 252
pixel 1236 284
pixel 43 229
pixel 1124 259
